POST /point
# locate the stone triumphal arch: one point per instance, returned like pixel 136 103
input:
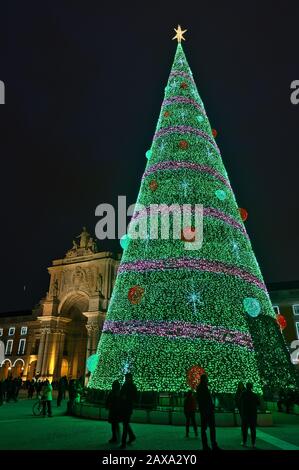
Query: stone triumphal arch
pixel 73 312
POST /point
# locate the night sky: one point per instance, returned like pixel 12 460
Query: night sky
pixel 84 86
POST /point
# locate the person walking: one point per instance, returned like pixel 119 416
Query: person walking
pixel 238 394
pixel 207 416
pixel 47 398
pixel 189 410
pixel 114 406
pixel 249 404
pixel 128 395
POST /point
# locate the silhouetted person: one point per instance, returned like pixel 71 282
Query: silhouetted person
pixel 18 385
pixel 1 392
pixel 72 396
pixel 75 391
pixel 249 404
pixel 79 390
pixel 65 381
pixel 189 410
pixel 4 390
pixel 61 391
pixel 11 389
pixel 31 388
pixel 128 396
pixel 206 409
pixel 238 394
pixel 114 406
pixel 47 398
pixel 290 399
pixel 281 399
pixel 38 387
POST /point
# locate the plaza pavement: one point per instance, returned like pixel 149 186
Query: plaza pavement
pixel 20 430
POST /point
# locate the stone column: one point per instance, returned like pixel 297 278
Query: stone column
pixel 57 347
pixel 92 342
pixel 53 350
pixel 59 354
pixel 30 341
pixel 44 371
pixel 92 338
pixel 93 331
pixel 88 345
pixel 40 355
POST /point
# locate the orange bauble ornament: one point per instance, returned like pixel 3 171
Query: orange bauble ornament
pixel 166 114
pixel 282 323
pixel 135 294
pixel 188 234
pixel 214 132
pixel 183 144
pixel 243 214
pixel 194 375
pixel 184 85
pixel 153 185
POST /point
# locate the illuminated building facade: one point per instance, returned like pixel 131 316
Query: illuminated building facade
pixel 59 334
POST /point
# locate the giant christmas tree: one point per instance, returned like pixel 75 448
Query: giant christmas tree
pixel 176 312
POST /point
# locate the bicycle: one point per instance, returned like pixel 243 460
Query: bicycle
pixel 37 407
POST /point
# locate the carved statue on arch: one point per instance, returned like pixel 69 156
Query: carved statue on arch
pixel 84 238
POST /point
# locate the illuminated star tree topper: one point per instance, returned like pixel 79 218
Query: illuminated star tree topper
pixel 179 34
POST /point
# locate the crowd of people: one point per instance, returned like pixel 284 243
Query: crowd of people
pixel 120 403
pixel 43 390
pixel 247 402
pixel 121 400
pixel 9 389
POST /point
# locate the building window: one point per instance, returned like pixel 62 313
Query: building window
pixel 11 331
pixel 24 330
pixel 296 309
pixel 276 309
pixel 297 328
pixel 21 348
pixel 1 331
pixel 8 349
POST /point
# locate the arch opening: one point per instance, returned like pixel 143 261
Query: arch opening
pixel 75 342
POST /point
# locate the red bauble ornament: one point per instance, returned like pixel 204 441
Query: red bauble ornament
pixel 188 234
pixel 282 323
pixel 135 294
pixel 183 144
pixel 214 132
pixel 194 375
pixel 184 85
pixel 243 214
pixel 166 114
pixel 153 185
